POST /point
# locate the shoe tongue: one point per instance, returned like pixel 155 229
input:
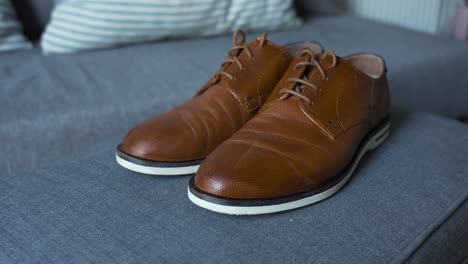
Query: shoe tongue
pixel 269 46
pixel 314 75
pixel 268 51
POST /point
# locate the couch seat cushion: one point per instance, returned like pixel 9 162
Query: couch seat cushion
pixel 88 209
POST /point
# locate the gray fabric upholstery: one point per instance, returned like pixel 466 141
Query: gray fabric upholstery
pixel 453 233
pixel 56 105
pixel 87 209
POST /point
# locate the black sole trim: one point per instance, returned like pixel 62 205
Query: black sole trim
pixel 156 164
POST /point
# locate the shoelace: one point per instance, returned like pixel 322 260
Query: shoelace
pixel 234 52
pixel 297 90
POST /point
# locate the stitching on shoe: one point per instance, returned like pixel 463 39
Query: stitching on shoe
pixel 337 107
pixel 327 132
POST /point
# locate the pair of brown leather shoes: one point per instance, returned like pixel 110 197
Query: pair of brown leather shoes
pixel 276 128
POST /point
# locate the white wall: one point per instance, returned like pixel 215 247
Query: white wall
pixel 431 16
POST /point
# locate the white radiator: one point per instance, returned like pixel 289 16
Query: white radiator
pixel 431 16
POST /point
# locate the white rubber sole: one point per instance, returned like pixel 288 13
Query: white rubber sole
pixel 371 144
pixel 162 171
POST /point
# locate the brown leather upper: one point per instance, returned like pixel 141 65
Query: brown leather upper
pixel 228 100
pixel 293 145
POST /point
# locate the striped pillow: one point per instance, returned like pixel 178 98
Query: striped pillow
pixel 11 36
pixel 89 24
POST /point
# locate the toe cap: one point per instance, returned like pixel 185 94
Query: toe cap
pixel 162 139
pixel 246 172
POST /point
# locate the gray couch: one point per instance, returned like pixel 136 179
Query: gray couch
pixel 91 96
pixel 64 200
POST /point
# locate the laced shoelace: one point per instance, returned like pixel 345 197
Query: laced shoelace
pixel 297 90
pixel 234 52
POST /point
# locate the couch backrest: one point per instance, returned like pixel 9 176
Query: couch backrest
pixel 34 15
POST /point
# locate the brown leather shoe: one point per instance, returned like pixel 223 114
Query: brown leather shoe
pixel 176 142
pixel 304 143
